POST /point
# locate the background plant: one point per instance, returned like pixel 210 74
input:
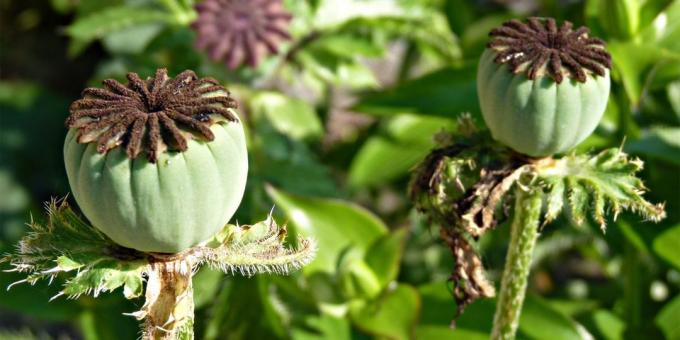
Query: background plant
pixel 336 121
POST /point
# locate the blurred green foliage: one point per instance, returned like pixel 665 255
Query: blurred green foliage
pixel 335 123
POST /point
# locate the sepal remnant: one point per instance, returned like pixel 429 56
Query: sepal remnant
pixel 66 245
pixel 464 188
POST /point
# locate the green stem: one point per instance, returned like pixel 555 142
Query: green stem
pixel 523 235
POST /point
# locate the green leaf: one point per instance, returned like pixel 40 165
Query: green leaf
pixel 290 116
pixel 323 327
pixel 35 301
pixel 384 256
pixel 667 319
pixel 381 160
pixel 245 310
pixel 113 19
pixel 665 29
pixel 444 93
pixel 206 284
pixel 439 309
pixel 132 39
pixel 673 91
pixel 666 246
pixel 446 333
pixel 335 225
pixel 389 155
pixel 633 60
pixel 393 315
pixel 609 325
pixel 661 143
pixel 540 321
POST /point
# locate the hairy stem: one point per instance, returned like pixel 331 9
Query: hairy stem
pixel 169 308
pixel 523 235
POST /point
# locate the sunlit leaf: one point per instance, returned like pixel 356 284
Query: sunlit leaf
pixel 667 319
pixel 334 224
pixel 540 321
pixel 393 315
pixel 293 117
pixel 445 93
pixel 113 19
pixel 609 325
pixel 661 143
pixel 666 246
pixel 384 157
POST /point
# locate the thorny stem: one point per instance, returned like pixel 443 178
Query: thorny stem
pixel 523 236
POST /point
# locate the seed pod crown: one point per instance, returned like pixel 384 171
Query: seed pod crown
pixel 153 115
pixel 538 47
pixel 241 31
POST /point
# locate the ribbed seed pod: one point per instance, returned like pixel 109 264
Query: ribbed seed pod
pixel 542 88
pixel 193 175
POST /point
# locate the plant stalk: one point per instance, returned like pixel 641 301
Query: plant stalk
pixel 169 308
pixel 523 236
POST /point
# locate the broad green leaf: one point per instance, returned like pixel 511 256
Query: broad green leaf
pixel 667 246
pixel 673 91
pixel 106 320
pixel 445 93
pixel 382 159
pixel 34 300
pixel 540 321
pixel 660 142
pixel 622 19
pixel 348 46
pixel 245 310
pixel 333 13
pixel 384 256
pixel 405 141
pixel 667 319
pixel 291 116
pixel 439 309
pixel 113 19
pixel 334 224
pixel 393 315
pixel 447 333
pixel 335 69
pixel 665 29
pixel 288 164
pixel 633 60
pixel 207 283
pixel 609 325
pixel 132 39
pixel 323 327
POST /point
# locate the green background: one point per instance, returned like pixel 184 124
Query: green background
pixel 335 123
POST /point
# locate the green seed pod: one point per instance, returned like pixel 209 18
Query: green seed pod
pixel 193 176
pixel 542 89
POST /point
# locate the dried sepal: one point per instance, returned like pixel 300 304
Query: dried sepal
pixel 67 245
pixel 468 275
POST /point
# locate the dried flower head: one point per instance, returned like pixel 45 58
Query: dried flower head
pixel 154 115
pixel 241 31
pixel 539 47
